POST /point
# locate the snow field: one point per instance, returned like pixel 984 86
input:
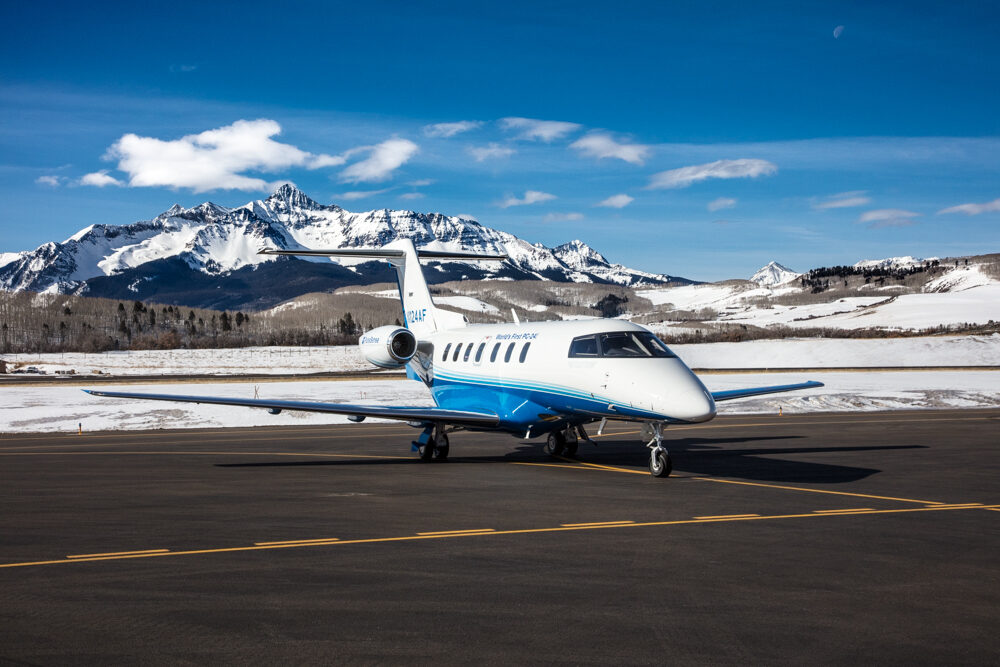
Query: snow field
pixel 61 409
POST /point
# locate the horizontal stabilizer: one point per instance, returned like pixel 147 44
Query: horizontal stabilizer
pixel 387 253
pixel 760 391
pixel 401 413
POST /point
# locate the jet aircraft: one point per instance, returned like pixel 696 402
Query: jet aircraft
pixel 529 379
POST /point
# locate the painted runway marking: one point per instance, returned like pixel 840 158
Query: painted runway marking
pixel 846 511
pixel 161 553
pixel 597 523
pixel 324 540
pixel 468 531
pixel 727 516
pixel 799 488
pixel 145 552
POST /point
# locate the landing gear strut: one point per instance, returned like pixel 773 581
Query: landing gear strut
pixel 432 444
pixel 660 464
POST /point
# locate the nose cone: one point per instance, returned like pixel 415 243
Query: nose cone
pixel 682 396
pixel 696 407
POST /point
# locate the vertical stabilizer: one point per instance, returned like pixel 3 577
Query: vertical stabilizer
pixel 422 317
pixel 420 314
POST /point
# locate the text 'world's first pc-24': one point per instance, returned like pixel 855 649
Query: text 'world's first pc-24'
pixel 528 379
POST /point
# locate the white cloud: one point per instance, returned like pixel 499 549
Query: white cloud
pixel 384 158
pixel 493 150
pixel 530 197
pixel 888 217
pixel 50 180
pixel 685 176
pixel 421 182
pixel 447 130
pixel 838 31
pixel 467 216
pixel 973 209
pixel 563 217
pixel 214 159
pixel 721 203
pixel 100 179
pixel 183 68
pixel 616 201
pixel 412 195
pixel 360 194
pixel 599 145
pixel 844 200
pixel 533 129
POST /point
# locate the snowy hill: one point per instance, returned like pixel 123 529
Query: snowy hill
pixel 892 262
pixel 774 274
pixel 208 255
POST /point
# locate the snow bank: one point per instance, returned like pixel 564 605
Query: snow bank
pixel 60 409
pixel 845 353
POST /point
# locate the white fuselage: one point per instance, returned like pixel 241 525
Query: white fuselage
pixel 525 374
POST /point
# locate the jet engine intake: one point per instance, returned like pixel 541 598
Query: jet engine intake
pixel 388 346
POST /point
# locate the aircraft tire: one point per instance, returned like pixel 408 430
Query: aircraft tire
pixel 555 444
pixel 426 452
pixel 571 447
pixel 441 447
pixel 660 464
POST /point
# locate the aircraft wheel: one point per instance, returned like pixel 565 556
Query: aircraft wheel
pixel 426 452
pixel 660 464
pixel 571 447
pixel 441 447
pixel 555 444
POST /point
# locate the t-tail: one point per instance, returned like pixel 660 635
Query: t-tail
pixel 420 314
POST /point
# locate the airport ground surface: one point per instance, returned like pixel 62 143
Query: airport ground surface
pixel 827 539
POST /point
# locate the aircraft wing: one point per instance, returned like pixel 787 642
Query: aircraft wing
pixel 760 391
pixel 402 413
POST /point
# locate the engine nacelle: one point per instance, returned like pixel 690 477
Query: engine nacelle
pixel 388 346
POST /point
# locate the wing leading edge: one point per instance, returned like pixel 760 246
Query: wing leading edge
pixel 402 413
pixel 760 391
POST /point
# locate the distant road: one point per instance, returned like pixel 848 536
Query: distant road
pixel 11 380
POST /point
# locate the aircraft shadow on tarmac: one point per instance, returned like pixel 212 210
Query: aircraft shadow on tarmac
pixel 699 456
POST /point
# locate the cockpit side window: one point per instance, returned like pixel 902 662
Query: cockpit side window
pixel 632 344
pixel 584 346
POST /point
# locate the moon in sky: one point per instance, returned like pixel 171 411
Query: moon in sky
pixel 836 31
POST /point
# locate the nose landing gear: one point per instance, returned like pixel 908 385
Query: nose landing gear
pixel 660 464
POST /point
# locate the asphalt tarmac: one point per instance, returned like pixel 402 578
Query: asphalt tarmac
pixel 822 539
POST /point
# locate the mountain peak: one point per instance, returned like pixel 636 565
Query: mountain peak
pixel 773 274
pixel 291 196
pixel 579 249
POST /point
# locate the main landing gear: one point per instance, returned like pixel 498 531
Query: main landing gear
pixel 660 464
pixel 432 445
pixel 563 443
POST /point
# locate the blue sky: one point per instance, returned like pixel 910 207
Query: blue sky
pixel 701 139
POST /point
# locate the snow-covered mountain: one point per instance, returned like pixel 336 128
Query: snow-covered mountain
pixel 892 262
pixel 773 274
pixel 210 253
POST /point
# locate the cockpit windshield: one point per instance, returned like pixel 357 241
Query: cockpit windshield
pixel 619 344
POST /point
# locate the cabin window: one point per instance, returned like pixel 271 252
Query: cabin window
pixel 584 346
pixel 493 354
pixel 444 357
pixel 468 351
pixel 524 352
pixel 506 355
pixel 458 349
pixel 479 352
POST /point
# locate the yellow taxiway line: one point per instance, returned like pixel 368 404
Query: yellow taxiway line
pixel 330 542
